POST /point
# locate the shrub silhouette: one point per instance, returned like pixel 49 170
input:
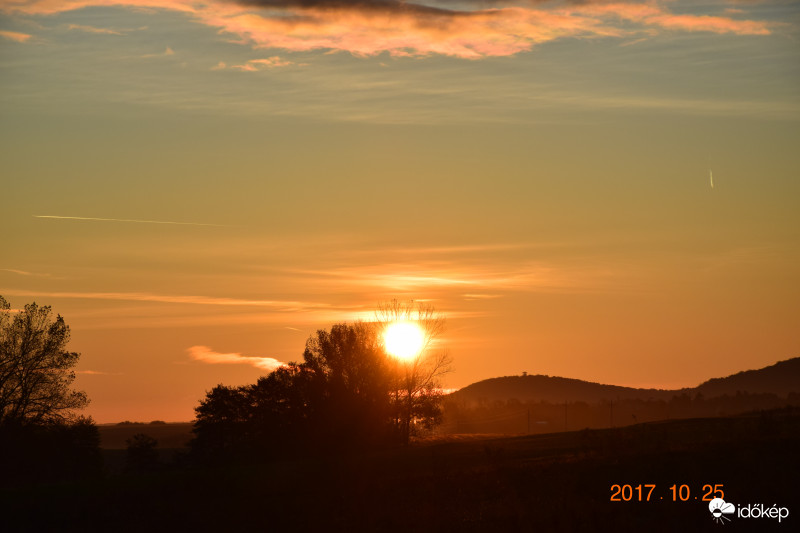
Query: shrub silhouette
pixel 141 454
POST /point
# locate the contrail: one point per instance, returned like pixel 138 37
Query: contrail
pixel 132 220
pixel 711 177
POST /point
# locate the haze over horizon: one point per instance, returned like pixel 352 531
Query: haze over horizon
pixel 199 186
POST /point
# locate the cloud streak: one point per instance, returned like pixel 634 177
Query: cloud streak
pixel 254 65
pixel 15 271
pixel 403 29
pixel 172 299
pixel 445 276
pixel 15 36
pixel 167 52
pixel 93 219
pixel 92 29
pixel 205 354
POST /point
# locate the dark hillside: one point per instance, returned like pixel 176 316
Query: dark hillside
pixel 552 389
pixel 557 482
pixel 782 378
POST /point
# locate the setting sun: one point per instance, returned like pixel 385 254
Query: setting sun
pixel 403 340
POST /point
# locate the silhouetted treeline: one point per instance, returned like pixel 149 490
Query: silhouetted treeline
pixel 32 453
pixel 552 483
pixel 516 417
pixel 347 394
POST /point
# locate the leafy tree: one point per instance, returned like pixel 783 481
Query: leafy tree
pixel 338 397
pixel 346 393
pixel 350 382
pixel 35 367
pixel 281 410
pixel 222 418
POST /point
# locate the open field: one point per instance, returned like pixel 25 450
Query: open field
pixel 171 435
pixel 555 482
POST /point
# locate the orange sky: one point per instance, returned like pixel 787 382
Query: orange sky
pixel 198 186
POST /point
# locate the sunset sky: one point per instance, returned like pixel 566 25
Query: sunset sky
pixel 199 185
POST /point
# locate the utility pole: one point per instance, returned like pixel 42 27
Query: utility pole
pixel 529 420
pixel 565 415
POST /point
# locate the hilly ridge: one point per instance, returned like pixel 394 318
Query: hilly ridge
pixel 781 379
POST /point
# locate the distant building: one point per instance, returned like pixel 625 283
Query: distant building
pixel 524 374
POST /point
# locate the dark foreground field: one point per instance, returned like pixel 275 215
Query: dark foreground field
pixel 556 482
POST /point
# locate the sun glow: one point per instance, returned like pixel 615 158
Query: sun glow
pixel 403 340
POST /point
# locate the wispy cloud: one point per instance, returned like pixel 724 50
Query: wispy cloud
pixel 15 271
pixel 445 275
pixel 482 296
pixel 15 36
pixel 370 27
pixel 450 249
pixel 97 373
pixel 207 355
pixel 94 219
pixel 633 42
pixel 92 29
pixel 161 298
pixel 254 65
pixel 167 52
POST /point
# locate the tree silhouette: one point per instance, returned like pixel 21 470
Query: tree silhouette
pixel 281 409
pixel 350 378
pixel 141 454
pixel 222 419
pixel 347 393
pixel 35 367
pixel 416 389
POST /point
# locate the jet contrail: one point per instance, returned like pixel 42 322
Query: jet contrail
pixel 131 220
pixel 711 177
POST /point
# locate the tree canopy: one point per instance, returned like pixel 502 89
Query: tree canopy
pixel 36 368
pixel 346 393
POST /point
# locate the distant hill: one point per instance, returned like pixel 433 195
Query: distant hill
pixel 171 435
pixel 551 389
pixel 781 378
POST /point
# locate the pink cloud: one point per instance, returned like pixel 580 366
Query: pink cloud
pixel 471 35
pixel 710 24
pixel 653 15
pixel 207 355
pixel 406 29
pixel 259 64
pixel 15 36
